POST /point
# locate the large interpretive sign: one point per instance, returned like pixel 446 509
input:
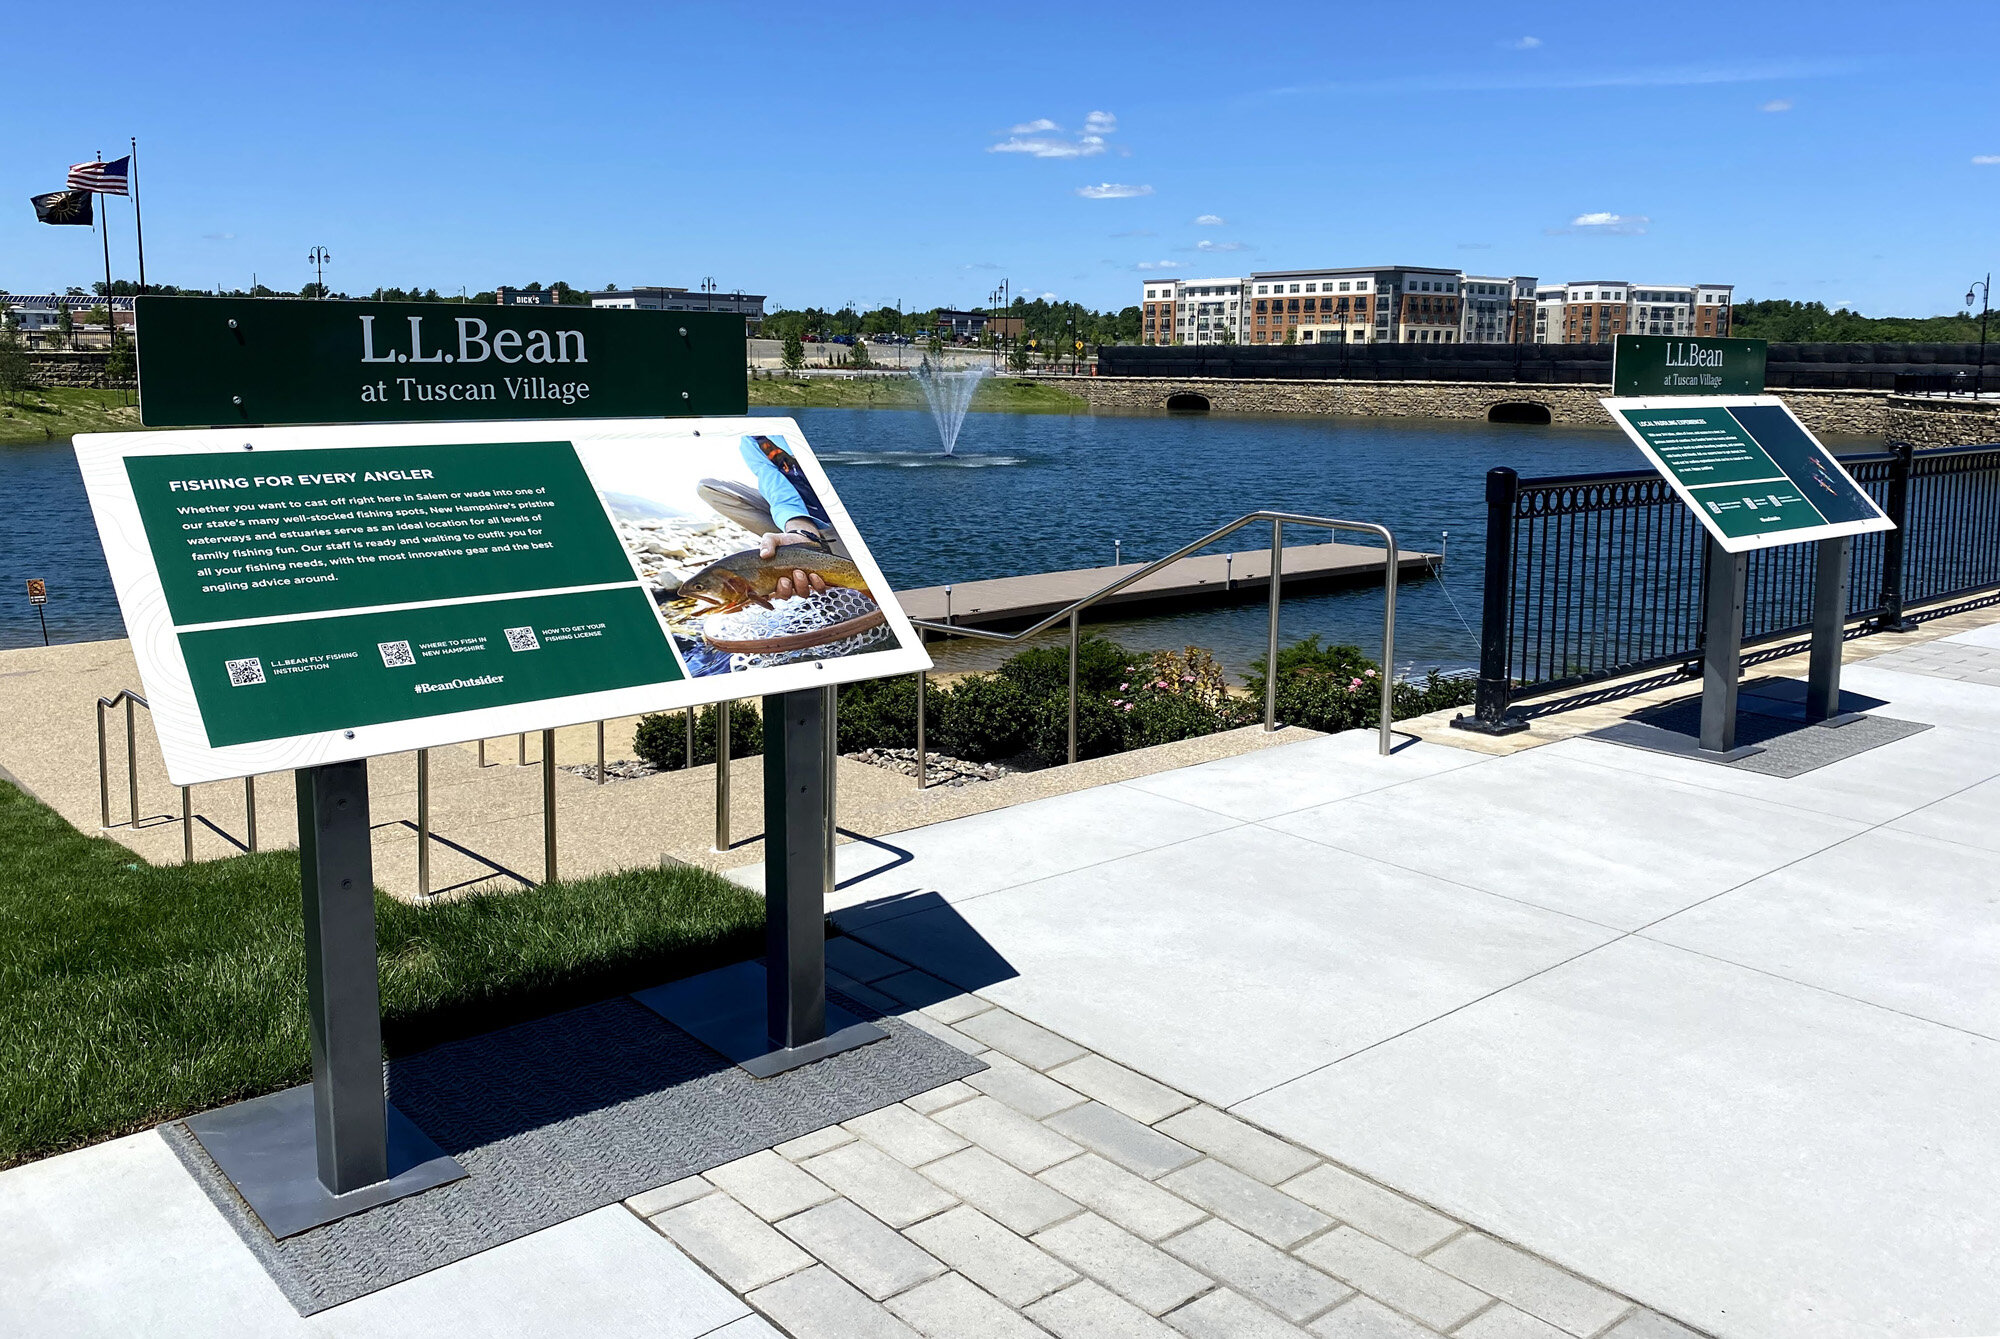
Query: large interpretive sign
pixel 1749 469
pixel 298 596
pixel 207 361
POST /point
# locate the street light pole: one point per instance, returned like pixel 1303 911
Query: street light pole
pixel 1985 290
pixel 318 257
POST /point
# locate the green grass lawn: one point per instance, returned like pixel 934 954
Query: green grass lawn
pixel 132 993
pixel 1000 394
pixel 59 412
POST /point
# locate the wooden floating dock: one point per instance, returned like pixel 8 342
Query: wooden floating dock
pixel 1215 578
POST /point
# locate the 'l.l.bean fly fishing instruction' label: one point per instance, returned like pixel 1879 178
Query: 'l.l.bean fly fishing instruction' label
pixel 305 595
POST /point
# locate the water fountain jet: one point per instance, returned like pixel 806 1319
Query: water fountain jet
pixel 949 395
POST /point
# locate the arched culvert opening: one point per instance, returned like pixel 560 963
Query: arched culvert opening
pixel 1519 411
pixel 1188 402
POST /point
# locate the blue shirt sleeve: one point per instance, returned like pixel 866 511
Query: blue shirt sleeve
pixel 784 500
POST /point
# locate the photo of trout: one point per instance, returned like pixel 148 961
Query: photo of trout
pixel 743 559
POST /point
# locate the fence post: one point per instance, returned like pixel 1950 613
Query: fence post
pixel 1893 548
pixel 1503 491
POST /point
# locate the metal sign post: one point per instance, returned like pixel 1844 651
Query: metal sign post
pixel 1722 652
pixel 308 1156
pixel 38 596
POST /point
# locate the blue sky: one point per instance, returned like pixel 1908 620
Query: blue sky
pixel 862 153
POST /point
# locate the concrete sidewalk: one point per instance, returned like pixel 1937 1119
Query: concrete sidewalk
pixel 1723 1043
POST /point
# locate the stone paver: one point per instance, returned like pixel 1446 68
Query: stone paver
pixel 1223 1314
pixel 733 1244
pixel 1007 1193
pixel 769 1186
pixel 957 1009
pixel 907 1136
pixel 923 1022
pixel 1033 1046
pixel 1114 1135
pixel 819 1304
pixel 879 1184
pixel 1223 1251
pixel 1132 1202
pixel 1553 1295
pixel 941 1097
pixel 994 1125
pixel 1650 1325
pixel 1122 1089
pixel 1403 1223
pixel 952 1307
pixel 1366 1318
pixel 1244 1147
pixel 669 1196
pixel 1142 1274
pixel 1504 1322
pixel 812 1145
pixel 1089 1311
pixel 1010 1267
pixel 1027 1091
pixel 851 957
pixel 1251 1205
pixel 1429 1294
pixel 917 990
pixel 861 1249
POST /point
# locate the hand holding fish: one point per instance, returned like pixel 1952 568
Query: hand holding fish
pixel 800 582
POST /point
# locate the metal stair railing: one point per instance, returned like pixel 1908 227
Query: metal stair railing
pixel 1074 611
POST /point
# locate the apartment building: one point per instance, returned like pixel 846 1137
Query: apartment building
pixel 1374 304
pixel 1594 311
pixel 1194 311
pixel 1498 310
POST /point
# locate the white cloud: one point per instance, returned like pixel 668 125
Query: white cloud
pixel 1112 190
pixel 1524 43
pixel 1041 146
pixel 1777 105
pixel 1605 223
pixel 1210 221
pixel 1206 245
pixel 1034 138
pixel 1987 159
pixel 1051 297
pixel 1159 265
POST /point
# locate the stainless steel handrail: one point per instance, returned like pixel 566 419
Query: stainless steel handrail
pixel 130 699
pixel 1279 520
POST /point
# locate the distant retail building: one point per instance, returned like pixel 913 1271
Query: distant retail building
pixel 750 306
pixel 1414 304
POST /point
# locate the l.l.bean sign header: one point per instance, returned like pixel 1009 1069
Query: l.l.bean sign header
pixel 215 362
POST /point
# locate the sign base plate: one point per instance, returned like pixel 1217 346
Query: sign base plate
pixel 1638 735
pixel 266 1148
pixel 726 1010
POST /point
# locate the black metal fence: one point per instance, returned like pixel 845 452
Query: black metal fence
pixel 1593 576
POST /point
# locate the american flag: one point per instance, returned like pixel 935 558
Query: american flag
pixel 104 178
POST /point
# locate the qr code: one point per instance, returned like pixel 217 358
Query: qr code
pixel 522 639
pixel 244 672
pixel 395 655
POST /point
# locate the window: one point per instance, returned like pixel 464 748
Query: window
pixel 1295 288
pixel 1312 304
pixel 1294 302
pixel 1263 288
pixel 1343 286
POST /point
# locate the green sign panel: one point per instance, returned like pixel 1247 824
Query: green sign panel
pixel 1643 365
pixel 218 362
pixel 1749 469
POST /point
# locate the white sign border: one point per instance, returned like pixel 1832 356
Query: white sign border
pixel 1740 543
pixel 169 690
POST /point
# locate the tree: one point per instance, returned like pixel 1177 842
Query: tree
pixel 16 374
pixel 860 356
pixel 1018 359
pixel 795 350
pixel 1291 334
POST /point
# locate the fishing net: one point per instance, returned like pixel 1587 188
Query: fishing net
pixel 806 614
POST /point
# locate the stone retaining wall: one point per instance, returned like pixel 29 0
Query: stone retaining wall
pixel 1926 421
pixel 72 367
pixel 1856 412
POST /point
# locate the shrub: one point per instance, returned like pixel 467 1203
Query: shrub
pixel 1101 665
pixel 1341 662
pixel 1100 728
pixel 661 738
pixel 879 714
pixel 982 717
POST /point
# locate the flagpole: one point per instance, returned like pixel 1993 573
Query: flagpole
pixel 104 224
pixel 138 223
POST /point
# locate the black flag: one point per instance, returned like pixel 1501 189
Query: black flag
pixel 64 207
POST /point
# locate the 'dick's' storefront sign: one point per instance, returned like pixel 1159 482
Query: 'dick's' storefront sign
pixel 212 362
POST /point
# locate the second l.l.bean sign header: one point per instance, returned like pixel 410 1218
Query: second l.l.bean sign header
pixel 213 362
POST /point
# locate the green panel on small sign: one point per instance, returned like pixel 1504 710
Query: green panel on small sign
pixel 269 533
pixel 1650 365
pixel 272 680
pixel 215 362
